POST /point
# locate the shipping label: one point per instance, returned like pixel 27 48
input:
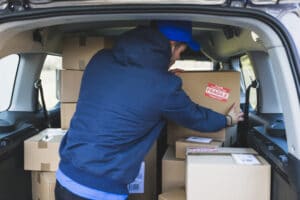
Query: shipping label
pixel 199 139
pixel 137 186
pixel 217 92
pixel 245 159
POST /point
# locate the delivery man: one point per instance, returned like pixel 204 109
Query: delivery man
pixel 125 98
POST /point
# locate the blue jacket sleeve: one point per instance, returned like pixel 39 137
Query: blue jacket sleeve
pixel 178 107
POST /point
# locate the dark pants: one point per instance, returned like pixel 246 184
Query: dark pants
pixel 62 193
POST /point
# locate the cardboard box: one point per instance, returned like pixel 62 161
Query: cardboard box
pixel 150 178
pixel 173 171
pixel 70 81
pixel 41 150
pixel 227 174
pixel 175 132
pixel 214 90
pixel 43 185
pixel 178 194
pixel 67 111
pixel 182 145
pixel 77 51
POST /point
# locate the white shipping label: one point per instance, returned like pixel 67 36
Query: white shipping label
pixel 199 140
pixel 245 159
pixel 137 186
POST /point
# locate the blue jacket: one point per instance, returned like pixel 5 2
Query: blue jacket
pixel 125 98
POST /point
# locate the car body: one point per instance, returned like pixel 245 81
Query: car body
pixel 266 33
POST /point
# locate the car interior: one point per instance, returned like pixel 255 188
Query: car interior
pixel 242 44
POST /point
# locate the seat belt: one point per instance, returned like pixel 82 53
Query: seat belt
pixel 254 84
pixel 38 86
pixel 243 127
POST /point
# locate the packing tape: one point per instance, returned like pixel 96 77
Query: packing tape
pixel 42 144
pixel 81 64
pixel 45 166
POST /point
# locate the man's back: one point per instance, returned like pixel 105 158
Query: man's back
pixel 118 114
pixel 126 93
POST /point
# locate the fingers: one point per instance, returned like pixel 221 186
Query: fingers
pixel 176 71
pixel 232 106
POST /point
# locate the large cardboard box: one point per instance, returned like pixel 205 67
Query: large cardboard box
pixel 227 174
pixel 70 81
pixel 183 144
pixel 67 111
pixel 178 194
pixel 41 150
pixel 215 90
pixel 77 51
pixel 43 185
pixel 173 171
pixel 149 178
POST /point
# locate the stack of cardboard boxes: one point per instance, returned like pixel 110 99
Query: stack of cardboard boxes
pixel 196 166
pixel 41 151
pixel 42 158
pixel 77 51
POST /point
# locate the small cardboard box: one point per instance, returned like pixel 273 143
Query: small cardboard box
pixel 178 194
pixel 227 174
pixel 214 90
pixel 173 171
pixel 67 111
pixel 41 150
pixel 43 185
pixel 77 51
pixel 70 81
pixel 182 145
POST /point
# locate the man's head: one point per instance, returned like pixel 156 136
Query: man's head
pixel 180 35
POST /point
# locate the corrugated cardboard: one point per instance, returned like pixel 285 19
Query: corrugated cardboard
pixel 77 51
pixel 196 85
pixel 176 132
pixel 70 81
pixel 215 175
pixel 43 185
pixel 41 150
pixel 182 145
pixel 178 194
pixel 67 111
pixel 150 177
pixel 173 171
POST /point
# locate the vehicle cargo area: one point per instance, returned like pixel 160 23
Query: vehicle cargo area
pixel 241 61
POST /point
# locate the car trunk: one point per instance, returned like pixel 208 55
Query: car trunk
pixel 225 35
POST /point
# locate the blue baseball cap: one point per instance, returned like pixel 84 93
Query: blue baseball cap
pixel 179 31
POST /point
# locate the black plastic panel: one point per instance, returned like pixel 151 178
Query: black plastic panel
pixel 285 166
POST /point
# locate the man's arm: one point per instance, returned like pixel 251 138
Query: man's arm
pixel 179 108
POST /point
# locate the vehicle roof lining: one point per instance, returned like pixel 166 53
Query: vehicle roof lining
pixel 208 30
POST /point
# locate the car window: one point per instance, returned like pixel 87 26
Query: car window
pixel 48 76
pixel 8 70
pixel 249 76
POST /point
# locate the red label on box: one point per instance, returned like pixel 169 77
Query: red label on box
pixel 217 92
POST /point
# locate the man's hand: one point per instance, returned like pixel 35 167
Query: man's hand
pixel 176 71
pixel 234 115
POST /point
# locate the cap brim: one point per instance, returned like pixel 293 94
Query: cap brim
pixel 195 46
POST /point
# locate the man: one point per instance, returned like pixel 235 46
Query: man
pixel 126 94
